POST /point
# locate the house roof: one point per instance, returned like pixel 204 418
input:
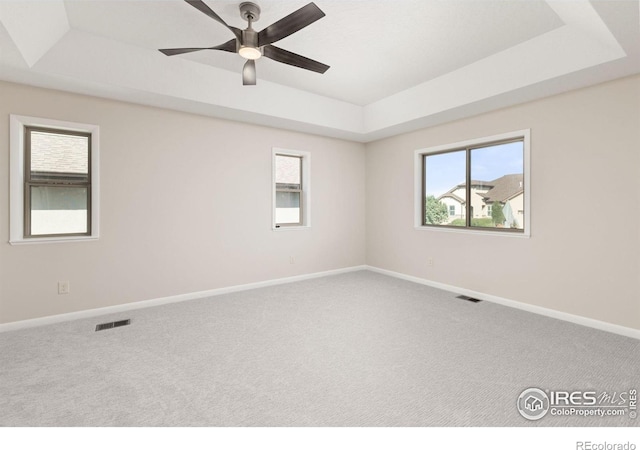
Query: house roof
pixel 450 192
pixel 453 196
pixel 505 187
pixel 486 184
pixel 499 190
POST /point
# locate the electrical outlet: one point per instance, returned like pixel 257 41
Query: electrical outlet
pixel 292 260
pixel 430 262
pixel 63 287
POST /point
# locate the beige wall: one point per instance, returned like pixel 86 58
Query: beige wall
pixel 185 207
pixel 582 257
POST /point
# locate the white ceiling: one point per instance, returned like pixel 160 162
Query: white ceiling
pixel 395 65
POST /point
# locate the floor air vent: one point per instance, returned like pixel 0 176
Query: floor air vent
pixel 469 299
pixel 116 324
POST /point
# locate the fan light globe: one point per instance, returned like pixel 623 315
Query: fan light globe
pixel 250 52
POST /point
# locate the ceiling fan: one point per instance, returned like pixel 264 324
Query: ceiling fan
pixel 251 44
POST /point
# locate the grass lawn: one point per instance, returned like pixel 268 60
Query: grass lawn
pixel 486 222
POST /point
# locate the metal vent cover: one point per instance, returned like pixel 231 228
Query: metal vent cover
pixel 469 299
pixel 108 325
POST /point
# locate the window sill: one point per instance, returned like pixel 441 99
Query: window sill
pixel 52 240
pixel 511 234
pixel 293 228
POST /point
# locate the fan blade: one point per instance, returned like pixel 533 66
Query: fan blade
pixel 249 73
pixel 293 59
pixel 229 46
pixel 202 7
pixel 290 24
pixel 179 51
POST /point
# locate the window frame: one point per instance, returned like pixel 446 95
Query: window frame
pixel 298 190
pixel 20 181
pixel 305 190
pixel 468 146
pixel 29 182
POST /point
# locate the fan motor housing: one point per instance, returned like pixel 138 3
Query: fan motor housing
pixel 250 38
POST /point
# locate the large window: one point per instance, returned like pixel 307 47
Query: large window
pixel 53 180
pixel 291 189
pixel 478 185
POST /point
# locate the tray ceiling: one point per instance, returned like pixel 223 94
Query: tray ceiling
pixel 395 65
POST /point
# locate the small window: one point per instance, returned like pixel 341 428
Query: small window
pixel 288 190
pixel 53 180
pixel 477 185
pixel 291 188
pixel 57 176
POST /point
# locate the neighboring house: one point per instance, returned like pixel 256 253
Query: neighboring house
pixel 507 190
pixel 455 205
pixel 59 155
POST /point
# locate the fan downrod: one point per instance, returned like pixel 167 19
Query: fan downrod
pixel 249 11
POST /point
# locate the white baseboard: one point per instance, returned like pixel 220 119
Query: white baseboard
pixel 165 300
pixel 580 320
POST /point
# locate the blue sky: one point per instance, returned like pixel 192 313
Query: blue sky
pixel 448 170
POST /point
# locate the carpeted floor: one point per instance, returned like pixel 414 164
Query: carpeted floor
pixel 359 349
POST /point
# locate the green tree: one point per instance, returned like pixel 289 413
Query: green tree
pixel 496 213
pixel 436 211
